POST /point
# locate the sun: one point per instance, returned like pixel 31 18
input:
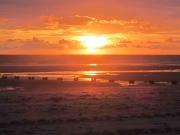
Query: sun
pixel 93 42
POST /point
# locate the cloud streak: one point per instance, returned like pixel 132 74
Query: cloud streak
pixel 35 43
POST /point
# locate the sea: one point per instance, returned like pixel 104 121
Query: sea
pixel 69 66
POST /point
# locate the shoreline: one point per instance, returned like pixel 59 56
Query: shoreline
pixel 121 76
pixel 44 83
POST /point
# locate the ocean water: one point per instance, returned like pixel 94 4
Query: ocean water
pixel 73 65
pixel 25 60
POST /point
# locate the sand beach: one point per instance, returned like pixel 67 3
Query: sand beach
pixel 86 108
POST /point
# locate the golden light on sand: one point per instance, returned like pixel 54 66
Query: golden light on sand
pixel 93 42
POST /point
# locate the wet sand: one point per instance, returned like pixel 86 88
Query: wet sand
pixel 141 76
pixel 86 108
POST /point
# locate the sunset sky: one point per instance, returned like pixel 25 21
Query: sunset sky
pixel 89 26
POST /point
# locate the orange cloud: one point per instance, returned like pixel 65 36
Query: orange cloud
pixel 174 40
pixel 95 23
pixel 60 22
pixel 35 43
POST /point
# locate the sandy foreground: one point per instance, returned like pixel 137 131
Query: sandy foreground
pixel 85 108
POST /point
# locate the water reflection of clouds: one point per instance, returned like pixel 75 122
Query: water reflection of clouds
pixel 9 88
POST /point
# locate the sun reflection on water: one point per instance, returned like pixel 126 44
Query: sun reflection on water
pixel 91 73
pixel 93 65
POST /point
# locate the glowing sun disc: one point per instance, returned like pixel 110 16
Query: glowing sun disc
pixel 92 42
